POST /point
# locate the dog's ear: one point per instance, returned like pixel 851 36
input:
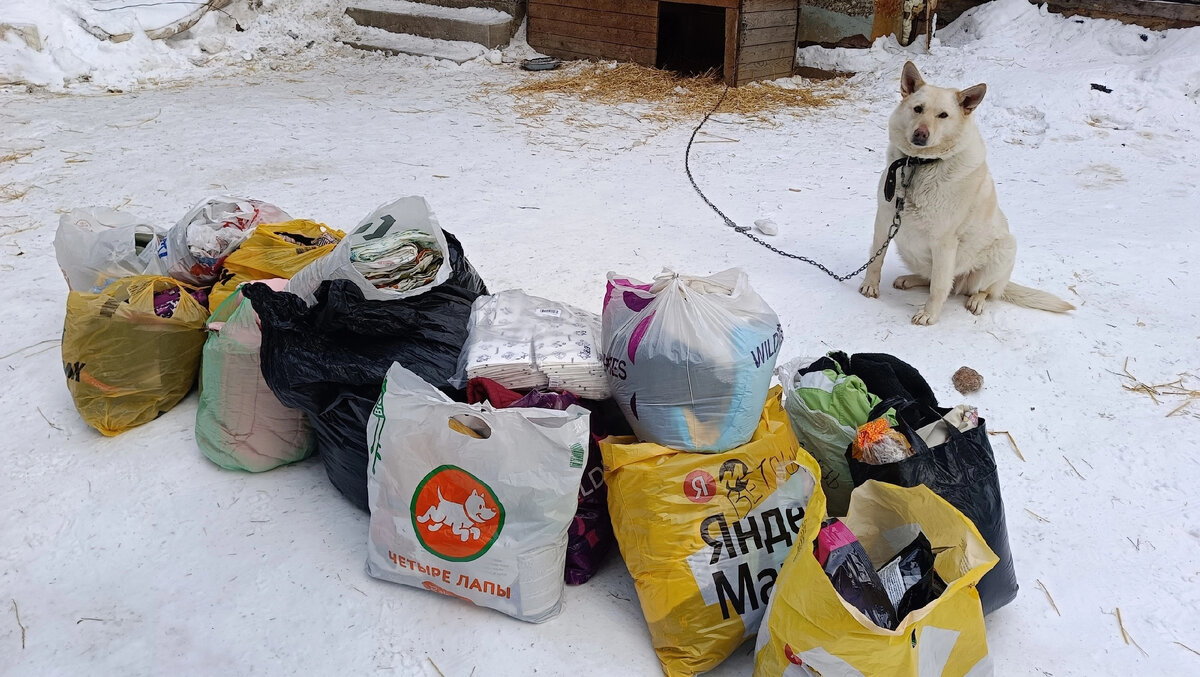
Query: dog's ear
pixel 971 97
pixel 910 79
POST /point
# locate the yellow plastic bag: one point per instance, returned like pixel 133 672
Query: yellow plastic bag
pixel 810 630
pixel 704 534
pixel 125 365
pixel 267 254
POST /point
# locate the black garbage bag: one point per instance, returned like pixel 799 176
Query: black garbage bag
pixel 961 470
pixel 329 361
pixel 910 579
pixel 852 574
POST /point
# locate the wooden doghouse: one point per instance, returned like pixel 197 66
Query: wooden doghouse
pixel 746 40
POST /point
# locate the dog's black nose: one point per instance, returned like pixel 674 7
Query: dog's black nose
pixel 920 137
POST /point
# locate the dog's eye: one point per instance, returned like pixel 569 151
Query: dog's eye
pixel 943 114
pixel 918 109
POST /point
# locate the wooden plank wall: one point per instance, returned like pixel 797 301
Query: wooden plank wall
pixel 621 30
pixel 760 37
pixel 768 40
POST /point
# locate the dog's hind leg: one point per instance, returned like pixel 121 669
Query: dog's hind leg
pixel 910 282
pixel 990 281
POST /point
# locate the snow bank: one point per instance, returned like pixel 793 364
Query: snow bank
pixel 67 43
pixel 1035 63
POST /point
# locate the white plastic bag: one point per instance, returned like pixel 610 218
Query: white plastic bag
pixel 197 246
pixel 470 501
pixel 690 359
pixel 403 214
pixel 96 246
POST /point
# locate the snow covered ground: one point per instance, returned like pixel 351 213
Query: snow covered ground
pixel 135 555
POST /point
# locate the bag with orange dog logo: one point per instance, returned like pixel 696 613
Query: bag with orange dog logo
pixel 471 501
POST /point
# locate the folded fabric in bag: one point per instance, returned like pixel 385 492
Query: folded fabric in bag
pixel 690 359
pixel 398 251
pixel 240 424
pixel 961 470
pixel 97 246
pixel 274 250
pixel 811 630
pixel 478 510
pixel 704 535
pixel 329 360
pixel 590 536
pixel 522 341
pixel 131 351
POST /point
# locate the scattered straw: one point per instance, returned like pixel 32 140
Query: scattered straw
pixel 1037 516
pixel 1171 389
pixel 10 192
pixel 1125 633
pixel 1043 587
pixel 435 666
pixel 669 96
pixel 1074 468
pixel 16 155
pixel 17 613
pixel 1011 441
pixel 1188 648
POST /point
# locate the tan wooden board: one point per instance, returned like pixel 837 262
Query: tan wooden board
pixel 577 48
pixel 783 17
pixel 642 7
pixel 765 70
pixel 590 17
pixel 769 52
pixel 750 6
pixel 616 36
pixel 769 34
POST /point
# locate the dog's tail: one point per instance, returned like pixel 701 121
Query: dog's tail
pixel 1035 298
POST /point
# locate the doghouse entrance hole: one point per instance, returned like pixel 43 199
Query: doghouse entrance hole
pixel 691 38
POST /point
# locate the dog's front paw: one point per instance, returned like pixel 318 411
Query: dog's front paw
pixel 869 289
pixel 924 317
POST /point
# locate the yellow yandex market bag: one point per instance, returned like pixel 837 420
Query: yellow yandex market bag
pixel 274 250
pixel 704 534
pixel 810 630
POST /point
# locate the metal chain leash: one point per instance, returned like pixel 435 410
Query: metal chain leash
pixel 905 179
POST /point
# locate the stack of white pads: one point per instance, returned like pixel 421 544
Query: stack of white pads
pixel 522 342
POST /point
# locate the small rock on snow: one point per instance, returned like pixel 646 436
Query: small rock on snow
pixel 766 226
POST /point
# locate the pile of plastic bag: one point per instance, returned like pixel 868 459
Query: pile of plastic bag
pixel 504 443
pixel 132 336
pixel 873 416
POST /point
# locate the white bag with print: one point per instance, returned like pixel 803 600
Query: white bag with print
pixel 471 501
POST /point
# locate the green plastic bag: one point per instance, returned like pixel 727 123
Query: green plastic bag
pixel 240 424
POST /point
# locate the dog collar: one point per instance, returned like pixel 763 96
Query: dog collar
pixel 889 184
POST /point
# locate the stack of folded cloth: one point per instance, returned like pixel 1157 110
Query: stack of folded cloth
pixel 524 342
pixel 401 260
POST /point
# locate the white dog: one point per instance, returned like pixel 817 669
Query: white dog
pixel 953 236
